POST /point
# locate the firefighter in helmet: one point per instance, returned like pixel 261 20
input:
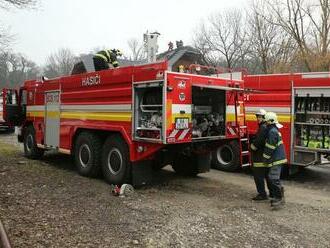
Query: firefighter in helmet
pixel 274 157
pixel 259 168
pixel 103 59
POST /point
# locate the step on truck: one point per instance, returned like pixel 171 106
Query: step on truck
pixel 302 103
pixel 127 121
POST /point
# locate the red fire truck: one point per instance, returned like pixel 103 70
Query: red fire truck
pixel 121 122
pixel 3 124
pixel 302 102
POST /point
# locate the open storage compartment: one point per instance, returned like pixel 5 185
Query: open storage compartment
pixel 208 112
pixel 148 116
pixel 311 125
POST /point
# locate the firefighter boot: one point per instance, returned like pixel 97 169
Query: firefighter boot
pixel 260 197
pixel 283 196
pixel 276 204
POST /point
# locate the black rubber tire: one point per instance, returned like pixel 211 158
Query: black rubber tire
pixel 185 165
pixel 31 149
pixel 116 165
pixel 227 157
pixel 87 154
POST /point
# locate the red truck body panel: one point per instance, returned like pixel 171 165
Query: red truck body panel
pixel 276 96
pixel 103 101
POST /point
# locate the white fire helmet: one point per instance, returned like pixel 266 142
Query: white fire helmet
pixel 271 117
pixel 261 112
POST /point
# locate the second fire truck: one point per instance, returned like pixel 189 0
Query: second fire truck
pixel 302 102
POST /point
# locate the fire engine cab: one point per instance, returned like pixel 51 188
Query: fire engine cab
pixel 6 95
pixel 122 122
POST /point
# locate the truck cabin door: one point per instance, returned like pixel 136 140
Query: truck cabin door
pixel 11 108
pixel 52 119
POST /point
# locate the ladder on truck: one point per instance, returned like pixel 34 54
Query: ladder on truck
pixel 241 129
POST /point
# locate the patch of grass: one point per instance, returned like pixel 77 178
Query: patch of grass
pixel 6 149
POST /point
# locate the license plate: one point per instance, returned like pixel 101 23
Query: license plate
pixel 181 123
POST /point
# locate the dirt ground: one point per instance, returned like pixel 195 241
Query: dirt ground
pixel 47 204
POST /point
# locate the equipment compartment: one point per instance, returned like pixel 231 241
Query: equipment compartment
pixel 208 112
pixel 148 111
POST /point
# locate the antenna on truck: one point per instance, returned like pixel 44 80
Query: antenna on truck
pixel 151 46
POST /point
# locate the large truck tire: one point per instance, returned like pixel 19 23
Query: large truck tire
pixel 116 165
pixel 227 157
pixel 87 154
pixel 31 149
pixel 185 165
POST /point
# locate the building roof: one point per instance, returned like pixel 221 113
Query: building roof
pixel 172 56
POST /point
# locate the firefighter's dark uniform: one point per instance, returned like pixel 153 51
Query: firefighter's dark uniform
pixel 274 157
pixel 103 58
pixel 101 61
pixel 260 168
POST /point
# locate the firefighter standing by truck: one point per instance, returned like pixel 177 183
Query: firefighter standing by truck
pixel 274 157
pixel 260 169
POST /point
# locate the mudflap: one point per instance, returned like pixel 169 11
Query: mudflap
pixel 203 162
pixel 142 173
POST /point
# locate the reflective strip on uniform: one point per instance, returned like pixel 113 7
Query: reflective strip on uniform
pixel 280 142
pixel 260 165
pixel 282 161
pixel 101 56
pixel 253 147
pixel 266 156
pixel 115 62
pixel 108 54
pixel 270 146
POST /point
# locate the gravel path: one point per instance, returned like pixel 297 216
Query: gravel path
pixel 47 204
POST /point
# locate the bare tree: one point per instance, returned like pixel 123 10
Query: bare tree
pixel 21 4
pixel 5 39
pixel 318 13
pixel 136 49
pixel 224 38
pixel 15 69
pixel 308 23
pixel 60 63
pixel 271 50
pixel 203 45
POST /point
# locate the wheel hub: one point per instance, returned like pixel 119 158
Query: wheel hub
pixel 29 142
pixel 84 155
pixel 225 155
pixel 115 161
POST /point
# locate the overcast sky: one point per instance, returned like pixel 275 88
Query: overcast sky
pixel 82 25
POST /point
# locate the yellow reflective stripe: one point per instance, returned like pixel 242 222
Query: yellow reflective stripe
pixel 107 52
pixel 35 113
pixel 266 156
pixel 280 142
pixel 282 161
pixel 115 62
pixel 253 147
pixel 101 56
pixel 53 114
pixel 270 146
pixel 260 165
pixel 109 116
